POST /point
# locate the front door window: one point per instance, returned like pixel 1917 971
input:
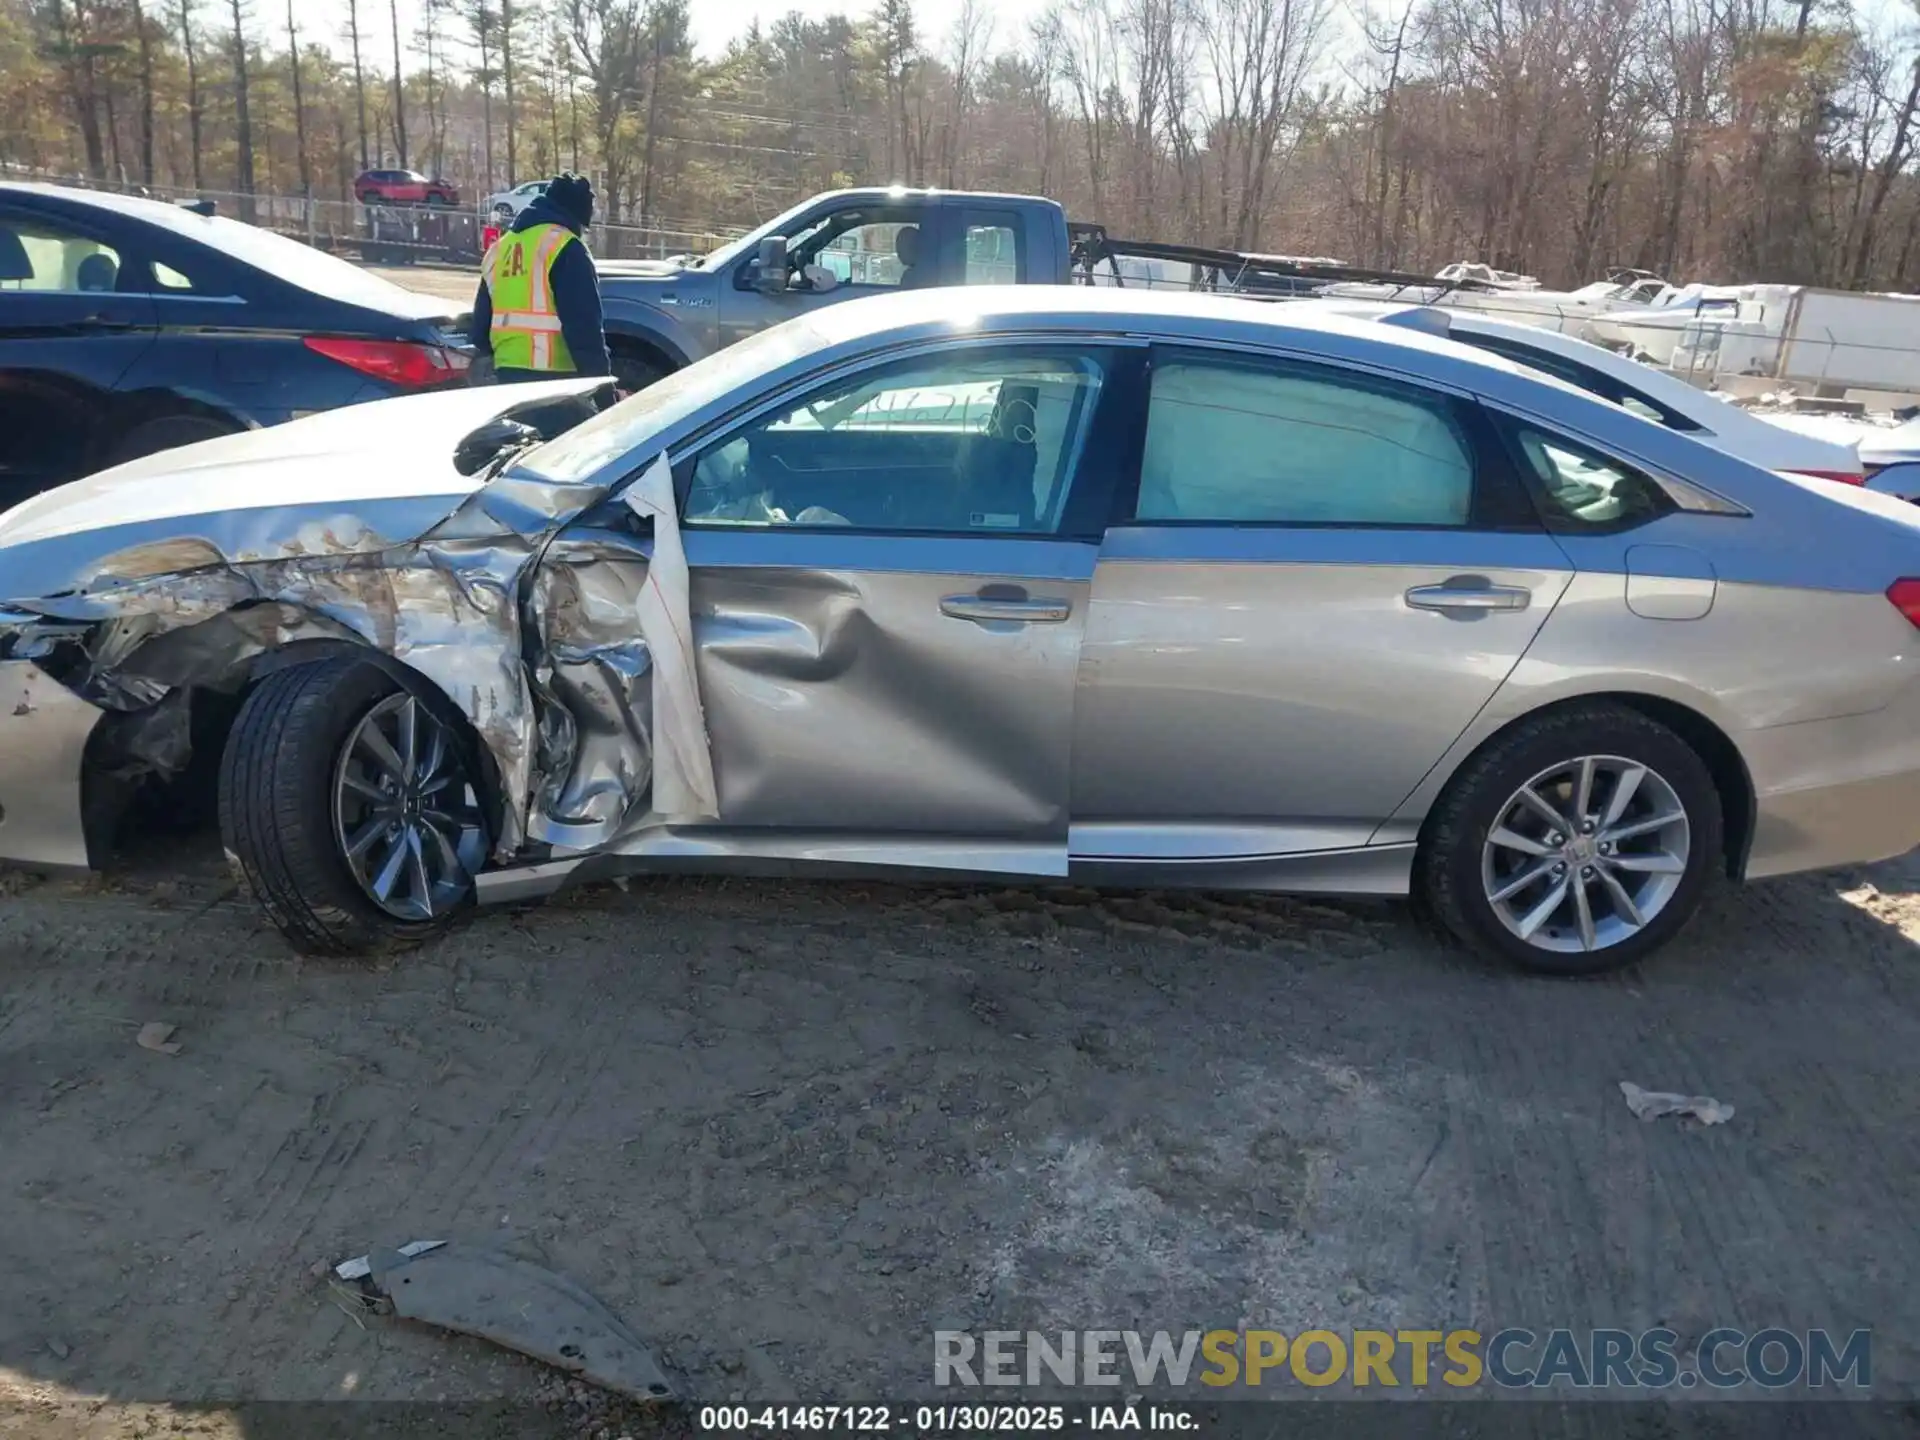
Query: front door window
pixel 979 442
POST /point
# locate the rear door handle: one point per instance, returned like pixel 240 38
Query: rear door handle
pixel 1469 594
pixel 985 608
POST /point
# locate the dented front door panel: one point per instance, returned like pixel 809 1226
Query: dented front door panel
pixel 868 698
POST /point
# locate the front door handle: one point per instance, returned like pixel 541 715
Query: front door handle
pixel 1469 594
pixel 989 608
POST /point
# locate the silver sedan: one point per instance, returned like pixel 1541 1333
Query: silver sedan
pixel 1029 583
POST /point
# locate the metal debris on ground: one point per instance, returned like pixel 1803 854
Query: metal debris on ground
pixel 478 1291
pixel 157 1036
pixel 361 1266
pixel 1652 1104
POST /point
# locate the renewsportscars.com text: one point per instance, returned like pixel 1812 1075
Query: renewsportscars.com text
pixel 1724 1358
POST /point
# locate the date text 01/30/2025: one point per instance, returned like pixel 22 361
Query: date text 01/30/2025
pixel 946 1419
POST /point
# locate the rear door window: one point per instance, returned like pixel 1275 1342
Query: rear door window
pixel 49 258
pixel 1234 442
pixel 993 248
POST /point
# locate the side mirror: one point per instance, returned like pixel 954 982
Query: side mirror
pixel 770 271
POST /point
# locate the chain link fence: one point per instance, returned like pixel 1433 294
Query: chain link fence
pixel 391 234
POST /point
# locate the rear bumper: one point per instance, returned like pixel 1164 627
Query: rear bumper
pixel 1836 792
pixel 44 729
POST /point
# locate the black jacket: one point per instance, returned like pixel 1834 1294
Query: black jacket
pixel 576 295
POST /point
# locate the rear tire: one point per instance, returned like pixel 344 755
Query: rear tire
pixel 289 761
pixel 169 432
pixel 1629 881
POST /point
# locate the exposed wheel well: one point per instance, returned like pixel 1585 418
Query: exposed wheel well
pixel 639 347
pixel 1709 742
pixel 116 790
pixel 142 407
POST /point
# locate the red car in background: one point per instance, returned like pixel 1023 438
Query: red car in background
pixel 403 187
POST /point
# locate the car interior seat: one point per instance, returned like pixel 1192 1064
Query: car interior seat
pixel 14 262
pixel 906 249
pixel 997 466
pixel 97 273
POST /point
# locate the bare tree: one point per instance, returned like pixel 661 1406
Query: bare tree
pixel 299 106
pixel 506 86
pixel 242 113
pixel 359 78
pixel 399 90
pixel 193 88
pixel 146 92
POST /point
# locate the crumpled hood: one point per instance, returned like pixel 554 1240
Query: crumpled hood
pixel 354 480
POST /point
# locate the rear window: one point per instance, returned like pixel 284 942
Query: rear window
pixel 1582 377
pixel 296 263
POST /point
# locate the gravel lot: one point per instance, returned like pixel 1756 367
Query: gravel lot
pixel 789 1129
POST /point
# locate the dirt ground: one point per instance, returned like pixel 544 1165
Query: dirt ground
pixel 788 1130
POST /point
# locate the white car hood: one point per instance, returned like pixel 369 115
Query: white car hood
pixel 1899 446
pixel 349 481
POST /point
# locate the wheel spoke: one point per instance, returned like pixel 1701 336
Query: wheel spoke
pixel 1644 826
pixel 384 882
pixel 363 842
pixel 444 851
pixel 1583 792
pixel 365 788
pixel 382 751
pixel 1534 801
pixel 409 737
pixel 1541 913
pixel 1624 790
pixel 430 772
pixel 1532 873
pixel 1657 863
pixel 1622 901
pixel 1583 908
pixel 1513 840
pixel 421 884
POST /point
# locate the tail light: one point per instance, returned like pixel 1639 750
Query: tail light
pixel 1838 477
pixel 1905 595
pixel 399 362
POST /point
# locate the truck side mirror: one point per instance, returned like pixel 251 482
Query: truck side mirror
pixel 770 272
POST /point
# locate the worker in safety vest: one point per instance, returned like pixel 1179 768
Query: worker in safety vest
pixel 538 309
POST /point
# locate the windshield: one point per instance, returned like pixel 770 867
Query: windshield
pixel 623 430
pixel 296 263
pixel 749 242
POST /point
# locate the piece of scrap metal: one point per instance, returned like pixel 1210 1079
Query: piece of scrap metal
pixel 360 1267
pixel 487 1293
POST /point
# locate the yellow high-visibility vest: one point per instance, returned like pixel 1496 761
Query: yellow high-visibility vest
pixel 525 333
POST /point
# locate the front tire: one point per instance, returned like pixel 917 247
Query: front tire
pixel 634 370
pixel 351 809
pixel 1580 841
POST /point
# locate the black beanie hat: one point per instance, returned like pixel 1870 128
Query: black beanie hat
pixel 573 195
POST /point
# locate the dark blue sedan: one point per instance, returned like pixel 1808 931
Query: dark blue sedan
pixel 129 326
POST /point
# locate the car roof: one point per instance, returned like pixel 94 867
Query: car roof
pixel 135 207
pixel 1163 315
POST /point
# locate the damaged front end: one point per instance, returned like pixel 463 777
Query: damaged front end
pixel 146 629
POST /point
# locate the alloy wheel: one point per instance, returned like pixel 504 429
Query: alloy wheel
pixel 1586 854
pixel 405 814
